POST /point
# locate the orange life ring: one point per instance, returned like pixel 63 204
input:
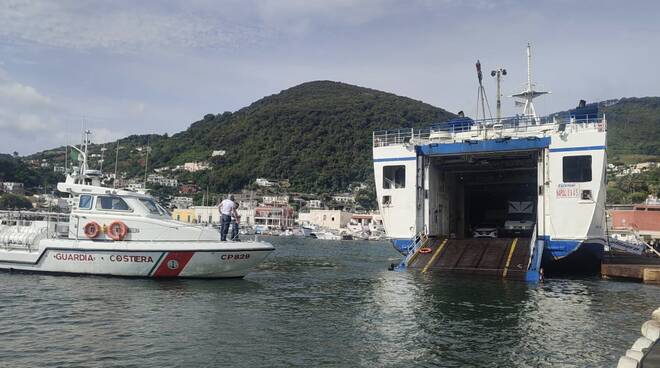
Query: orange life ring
pixel 425 250
pixel 91 229
pixel 117 230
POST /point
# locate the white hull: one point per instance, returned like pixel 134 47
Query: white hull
pixel 138 259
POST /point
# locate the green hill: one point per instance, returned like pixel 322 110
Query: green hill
pixel 633 129
pixel 317 135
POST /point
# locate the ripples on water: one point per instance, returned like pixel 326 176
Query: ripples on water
pixel 319 303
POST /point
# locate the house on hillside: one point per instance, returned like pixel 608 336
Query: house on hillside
pixel 13 187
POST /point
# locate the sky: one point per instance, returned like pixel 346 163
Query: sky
pixel 126 67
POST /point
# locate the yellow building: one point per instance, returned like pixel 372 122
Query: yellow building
pixel 184 215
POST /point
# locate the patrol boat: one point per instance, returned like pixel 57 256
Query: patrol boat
pixel 544 177
pixel 119 232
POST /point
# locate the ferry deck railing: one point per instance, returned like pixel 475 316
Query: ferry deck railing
pixel 459 130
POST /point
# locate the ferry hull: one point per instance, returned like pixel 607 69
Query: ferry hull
pixel 585 258
pixel 181 262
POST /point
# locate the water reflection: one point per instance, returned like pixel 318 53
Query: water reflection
pixel 319 304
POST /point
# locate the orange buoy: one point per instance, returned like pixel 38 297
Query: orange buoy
pixel 91 229
pixel 117 230
pixel 425 250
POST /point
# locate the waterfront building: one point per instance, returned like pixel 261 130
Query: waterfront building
pixel 642 218
pixel 184 215
pixel 329 219
pixel 274 217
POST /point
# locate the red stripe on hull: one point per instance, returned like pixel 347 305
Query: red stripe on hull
pixel 173 264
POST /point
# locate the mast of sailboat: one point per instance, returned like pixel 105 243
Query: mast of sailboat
pixel 146 164
pixel 114 182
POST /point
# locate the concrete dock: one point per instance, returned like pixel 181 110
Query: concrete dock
pixel 635 268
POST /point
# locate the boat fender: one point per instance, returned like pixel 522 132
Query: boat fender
pixel 651 330
pixel 117 230
pixel 425 250
pixel 92 229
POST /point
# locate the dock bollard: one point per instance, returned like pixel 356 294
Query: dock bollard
pixel 650 335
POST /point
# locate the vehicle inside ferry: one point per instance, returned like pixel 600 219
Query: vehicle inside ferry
pixel 470 193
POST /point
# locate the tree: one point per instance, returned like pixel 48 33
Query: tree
pixel 9 201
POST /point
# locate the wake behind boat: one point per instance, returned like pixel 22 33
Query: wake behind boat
pixel 119 233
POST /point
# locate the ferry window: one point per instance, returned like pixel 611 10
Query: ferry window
pixel 151 206
pixel 85 202
pixel 577 169
pixel 394 177
pixel 111 203
pixel 387 200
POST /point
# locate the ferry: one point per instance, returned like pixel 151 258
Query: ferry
pixel 537 184
pixel 119 232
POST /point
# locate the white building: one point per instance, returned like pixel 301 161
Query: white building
pixel 315 203
pixel 329 219
pixel 263 182
pixel 135 186
pixel 283 200
pixel 218 153
pixel 344 198
pixel 196 166
pixel 12 187
pixel 161 180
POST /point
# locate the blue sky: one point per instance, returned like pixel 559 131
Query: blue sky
pixel 129 67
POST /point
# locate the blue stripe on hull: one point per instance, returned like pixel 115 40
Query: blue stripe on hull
pixel 401 245
pixel 574 149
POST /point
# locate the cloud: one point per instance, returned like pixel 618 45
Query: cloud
pixel 31 120
pixel 119 27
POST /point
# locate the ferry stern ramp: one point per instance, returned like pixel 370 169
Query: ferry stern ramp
pixel 450 179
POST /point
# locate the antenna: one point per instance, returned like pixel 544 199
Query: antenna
pixel 481 95
pixel 528 94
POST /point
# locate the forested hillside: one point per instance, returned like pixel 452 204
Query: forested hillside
pixel 13 169
pixel 633 129
pixel 317 135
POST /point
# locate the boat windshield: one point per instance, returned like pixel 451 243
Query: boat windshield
pixel 153 207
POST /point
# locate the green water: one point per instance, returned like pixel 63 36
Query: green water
pixel 319 304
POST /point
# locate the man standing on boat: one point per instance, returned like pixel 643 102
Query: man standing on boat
pixel 227 210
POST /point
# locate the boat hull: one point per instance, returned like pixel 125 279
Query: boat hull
pixel 170 261
pixel 585 258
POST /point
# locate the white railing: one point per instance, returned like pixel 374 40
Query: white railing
pixel 462 129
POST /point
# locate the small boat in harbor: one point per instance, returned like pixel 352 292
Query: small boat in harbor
pixel 119 232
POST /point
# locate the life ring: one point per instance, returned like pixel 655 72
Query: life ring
pixel 91 229
pixel 117 230
pixel 425 250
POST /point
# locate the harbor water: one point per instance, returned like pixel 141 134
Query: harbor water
pixel 319 303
